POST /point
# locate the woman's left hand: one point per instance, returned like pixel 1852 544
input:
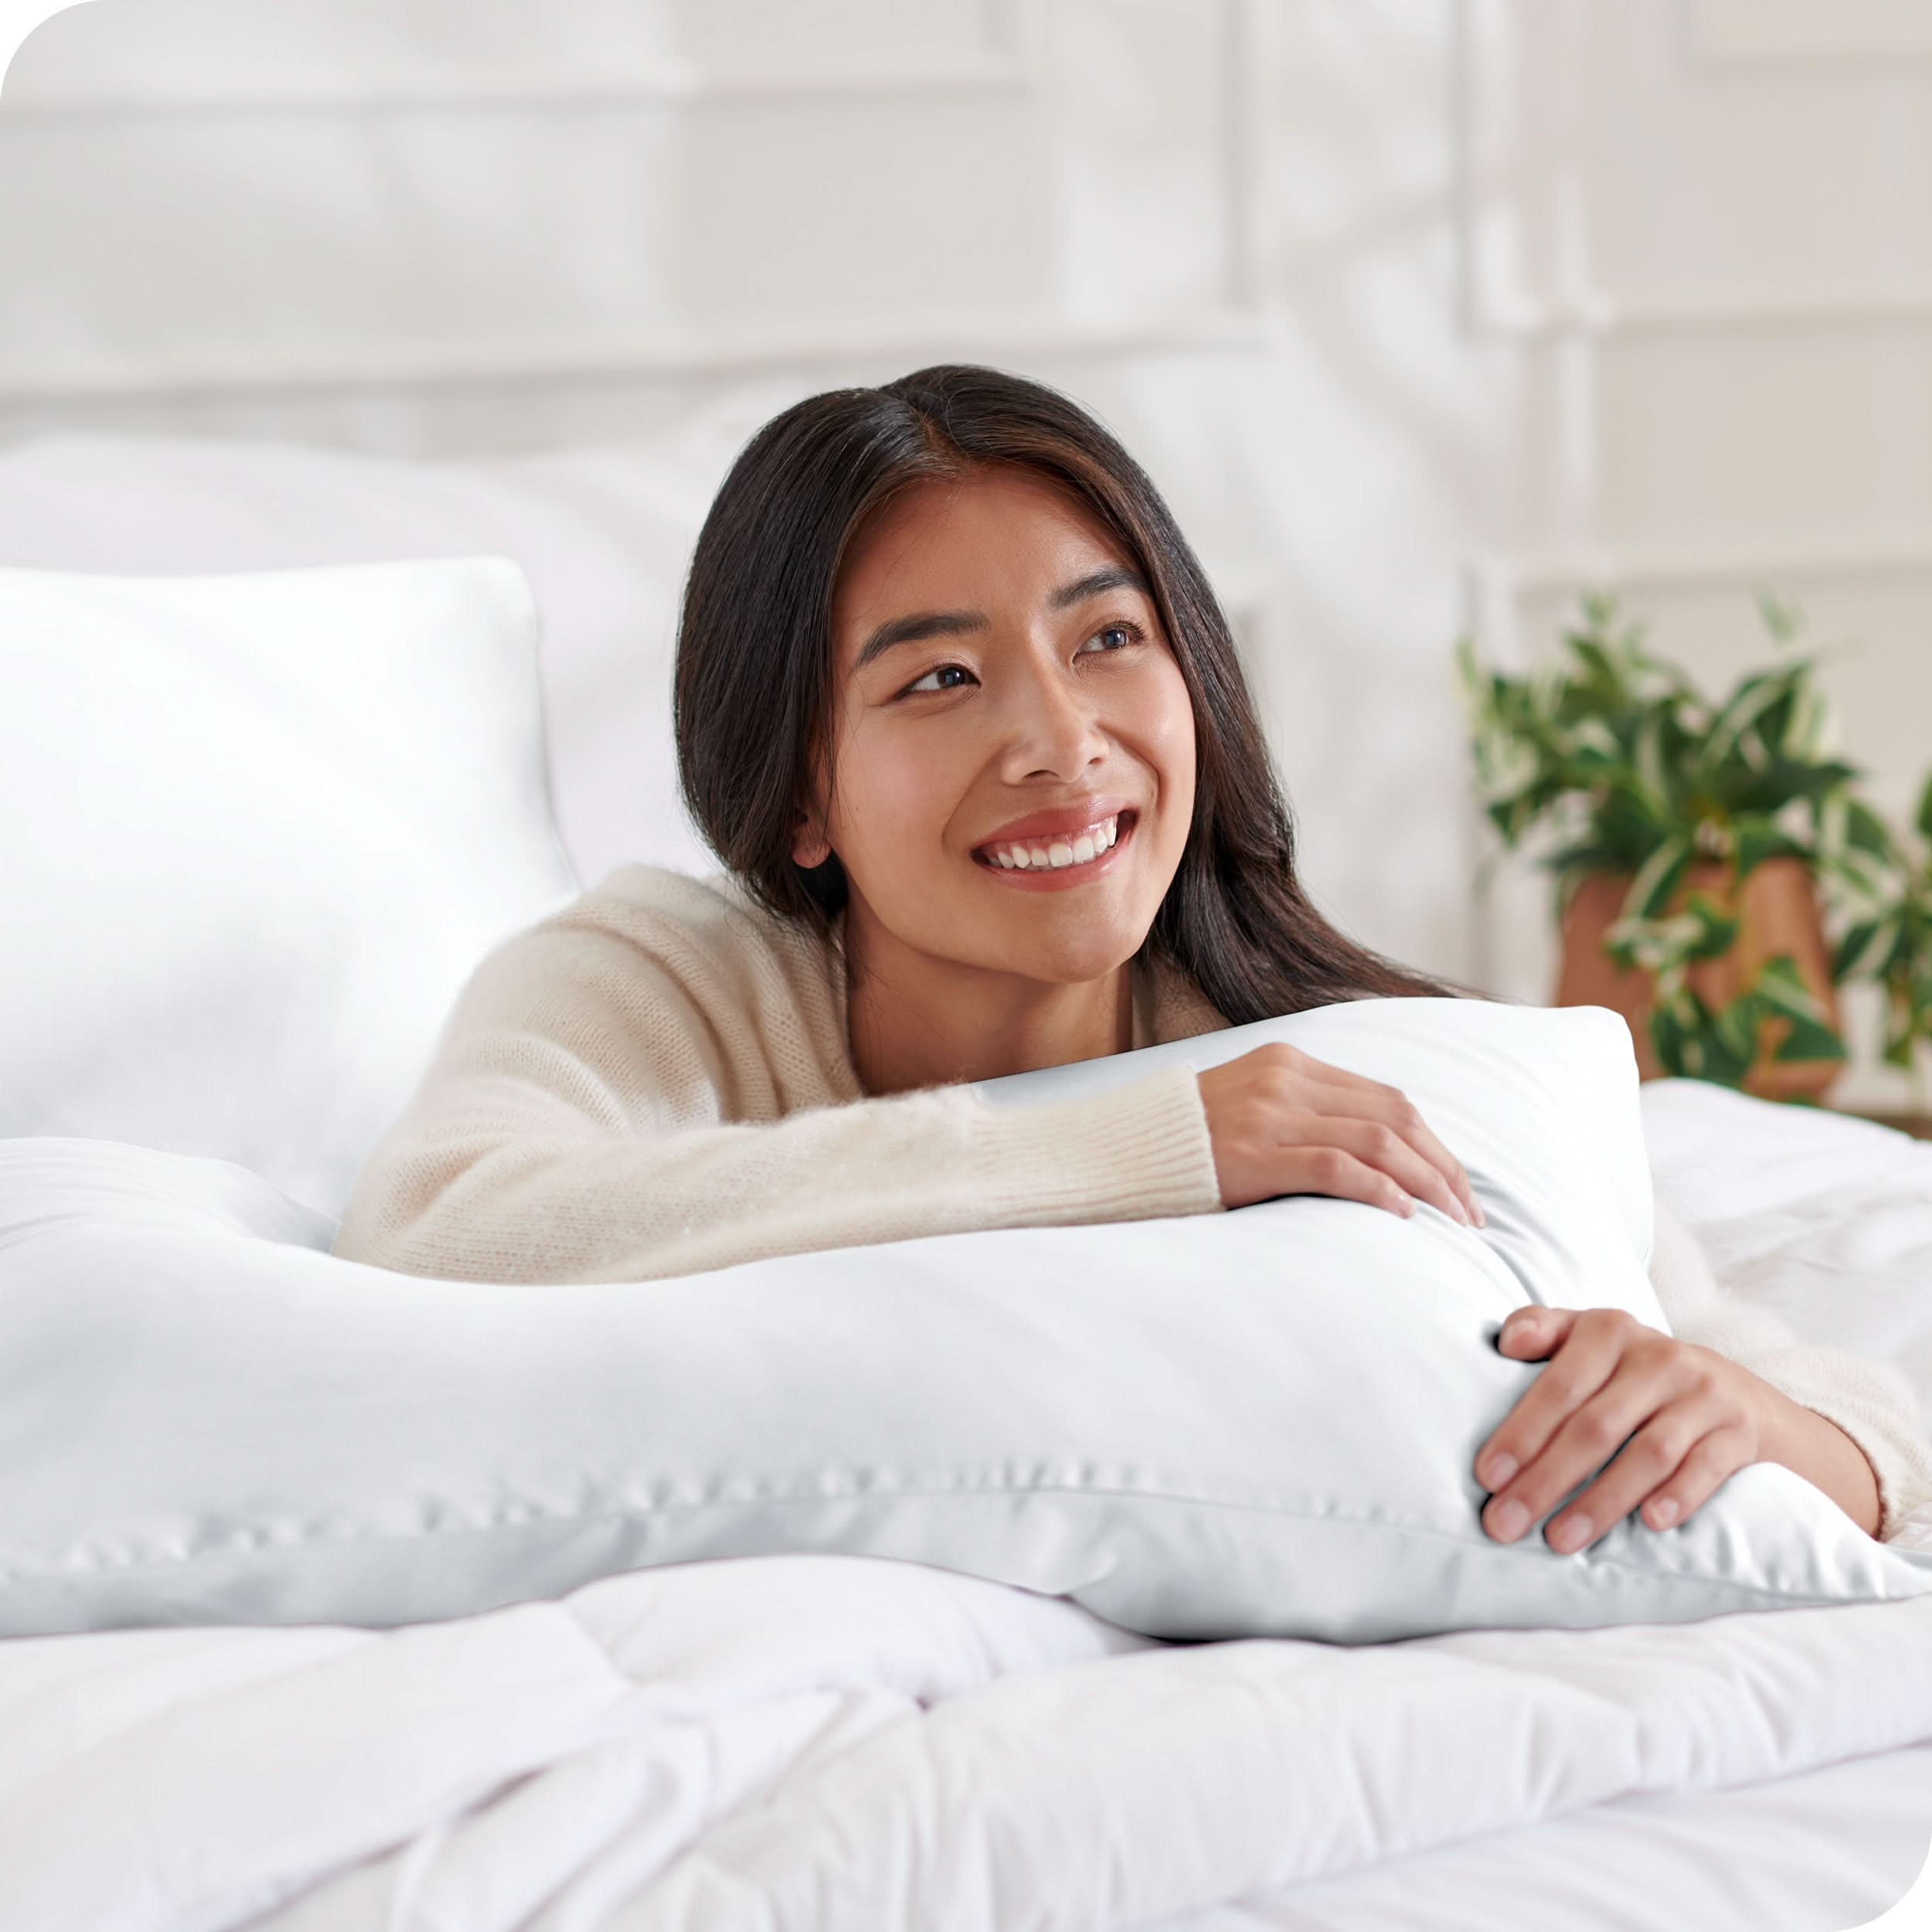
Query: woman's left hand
pixel 1686 1417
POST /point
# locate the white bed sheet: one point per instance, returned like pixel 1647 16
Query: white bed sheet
pixel 1831 1849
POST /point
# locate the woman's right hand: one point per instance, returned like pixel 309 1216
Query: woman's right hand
pixel 1283 1122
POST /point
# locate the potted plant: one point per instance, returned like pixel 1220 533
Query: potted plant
pixel 1693 838
pixel 1888 938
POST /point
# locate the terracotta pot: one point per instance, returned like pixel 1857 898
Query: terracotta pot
pixel 1779 914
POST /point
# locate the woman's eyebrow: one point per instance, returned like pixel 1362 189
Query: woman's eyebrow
pixel 921 623
pixel 951 623
pixel 1114 576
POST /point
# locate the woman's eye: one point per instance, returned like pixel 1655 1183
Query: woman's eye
pixel 1111 638
pixel 937 670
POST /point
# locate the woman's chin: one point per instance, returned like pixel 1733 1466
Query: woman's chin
pixel 1083 959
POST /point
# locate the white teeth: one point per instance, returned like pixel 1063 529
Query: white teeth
pixel 1090 845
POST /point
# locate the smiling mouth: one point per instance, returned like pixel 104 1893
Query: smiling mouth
pixel 1042 863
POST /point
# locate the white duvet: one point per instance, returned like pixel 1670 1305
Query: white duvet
pixel 818 1742
pixel 806 1742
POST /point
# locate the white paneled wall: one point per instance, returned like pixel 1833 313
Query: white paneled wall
pixel 1424 312
pixel 644 197
pixel 1704 227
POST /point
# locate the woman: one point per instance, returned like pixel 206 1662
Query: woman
pixel 958 710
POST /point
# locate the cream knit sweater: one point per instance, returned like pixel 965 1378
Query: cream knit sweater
pixel 656 1080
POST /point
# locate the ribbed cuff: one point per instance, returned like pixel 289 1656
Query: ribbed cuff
pixel 1902 1489
pixel 1892 1444
pixel 1136 1153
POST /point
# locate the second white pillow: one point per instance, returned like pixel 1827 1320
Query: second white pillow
pixel 259 829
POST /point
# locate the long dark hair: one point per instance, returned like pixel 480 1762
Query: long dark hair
pixel 754 643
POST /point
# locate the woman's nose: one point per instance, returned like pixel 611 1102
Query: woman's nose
pixel 1054 725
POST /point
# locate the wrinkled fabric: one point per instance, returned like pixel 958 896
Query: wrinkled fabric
pixel 811 1744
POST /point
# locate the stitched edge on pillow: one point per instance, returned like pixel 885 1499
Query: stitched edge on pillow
pixel 643 1513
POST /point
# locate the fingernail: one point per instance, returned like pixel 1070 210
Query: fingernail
pixel 1663 1512
pixel 1571 1534
pixel 1482 1219
pixel 1509 1520
pixel 1497 1471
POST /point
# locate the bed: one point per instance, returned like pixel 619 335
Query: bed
pixel 807 1741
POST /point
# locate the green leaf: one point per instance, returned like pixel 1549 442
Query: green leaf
pixel 1773 723
pixel 1593 742
pixel 1865 830
pixel 1778 783
pixel 1667 1040
pixel 1780 988
pixel 1716 929
pixel 1631 818
pixel 1587 855
pixel 1754 696
pixel 1657 878
pixel 1898 1051
pixel 1869 883
pixel 1865 950
pixel 1779 981
pixel 1808 1041
pixel 1604 672
pixel 1856 950
pixel 1652 773
pixel 1737 1024
pixel 1653 945
pixel 1805 725
pixel 1782 619
pixel 1730 1041
pixel 1923 818
pixel 1759 838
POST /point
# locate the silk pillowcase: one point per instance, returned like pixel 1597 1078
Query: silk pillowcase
pixel 1255 1423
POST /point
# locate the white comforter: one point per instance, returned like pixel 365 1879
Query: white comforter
pixel 815 1742
pixel 808 1742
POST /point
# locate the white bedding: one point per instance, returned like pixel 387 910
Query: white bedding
pixel 798 1742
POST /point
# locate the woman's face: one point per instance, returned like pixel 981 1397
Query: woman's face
pixel 1007 699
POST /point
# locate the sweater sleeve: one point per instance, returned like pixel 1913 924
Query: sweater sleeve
pixel 572 1128
pixel 1870 1400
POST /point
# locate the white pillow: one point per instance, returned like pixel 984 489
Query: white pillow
pixel 259 830
pixel 603 531
pixel 1254 1424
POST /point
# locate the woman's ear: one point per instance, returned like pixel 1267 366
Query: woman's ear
pixel 809 846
